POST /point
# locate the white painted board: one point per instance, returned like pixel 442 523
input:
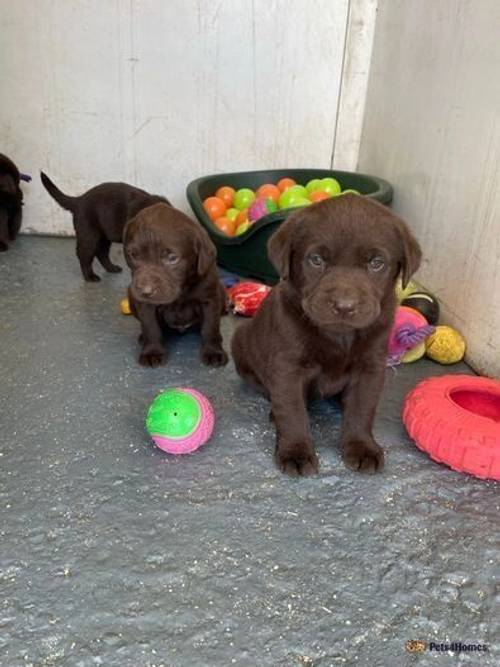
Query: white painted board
pixel 157 92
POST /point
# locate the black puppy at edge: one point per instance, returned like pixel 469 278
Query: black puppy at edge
pixel 99 218
pixel 11 201
pixel 175 284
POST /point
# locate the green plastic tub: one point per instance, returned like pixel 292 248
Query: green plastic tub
pixel 246 255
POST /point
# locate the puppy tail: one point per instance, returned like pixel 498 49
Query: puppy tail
pixel 63 200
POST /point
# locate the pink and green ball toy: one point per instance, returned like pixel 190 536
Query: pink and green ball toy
pixel 180 420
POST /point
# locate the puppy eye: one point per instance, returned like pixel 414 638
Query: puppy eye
pixel 170 258
pixel 316 260
pixel 132 254
pixel 376 264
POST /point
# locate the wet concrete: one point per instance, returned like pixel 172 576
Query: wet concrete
pixel 116 554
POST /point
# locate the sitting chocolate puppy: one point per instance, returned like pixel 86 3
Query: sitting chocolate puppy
pixel 99 217
pixel 174 282
pixel 324 329
pixel 11 201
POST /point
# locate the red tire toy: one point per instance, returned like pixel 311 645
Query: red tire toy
pixel 456 420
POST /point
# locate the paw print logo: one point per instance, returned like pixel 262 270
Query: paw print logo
pixel 415 646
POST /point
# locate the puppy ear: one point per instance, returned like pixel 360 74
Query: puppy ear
pixel 279 246
pixel 411 252
pixel 130 230
pixel 207 253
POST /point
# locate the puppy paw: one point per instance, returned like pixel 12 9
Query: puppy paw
pixel 298 460
pixel 366 457
pixel 92 278
pixel 152 356
pixel 214 356
pixel 114 268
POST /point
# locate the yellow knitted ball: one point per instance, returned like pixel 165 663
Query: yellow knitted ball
pixel 125 307
pixel 414 354
pixel 445 345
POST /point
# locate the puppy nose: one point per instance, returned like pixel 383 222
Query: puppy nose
pixel 345 307
pixel 146 289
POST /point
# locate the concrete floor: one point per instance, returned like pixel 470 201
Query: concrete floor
pixel 113 553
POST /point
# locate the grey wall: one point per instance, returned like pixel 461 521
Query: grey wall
pixel 432 128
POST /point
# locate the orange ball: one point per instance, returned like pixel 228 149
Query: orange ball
pixel 268 191
pixel 226 194
pixel 226 226
pixel 286 183
pixel 215 207
pixel 318 195
pixel 242 217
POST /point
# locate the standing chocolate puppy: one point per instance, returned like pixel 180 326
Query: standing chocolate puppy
pixel 324 329
pixel 99 217
pixel 11 201
pixel 175 283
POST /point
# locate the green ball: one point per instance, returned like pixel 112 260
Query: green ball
pixel 241 229
pixel 290 199
pixel 330 186
pixel 313 185
pixel 232 213
pixel 350 191
pixel 272 206
pixel 243 198
pixel 299 201
pixel 298 190
pixel 173 414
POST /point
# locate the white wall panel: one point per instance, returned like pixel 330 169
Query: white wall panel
pixel 158 92
pixel 432 128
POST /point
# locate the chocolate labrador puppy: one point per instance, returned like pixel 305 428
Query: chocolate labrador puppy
pixel 323 330
pixel 175 283
pixel 11 201
pixel 99 217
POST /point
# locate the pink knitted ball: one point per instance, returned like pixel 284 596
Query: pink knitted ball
pixel 408 330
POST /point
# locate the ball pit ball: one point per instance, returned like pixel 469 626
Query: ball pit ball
pixel 241 229
pixel 331 186
pixel 225 225
pixel 318 195
pixel 215 207
pixel 285 183
pixel 300 201
pixel 298 190
pixel 313 185
pixel 268 191
pixel 242 217
pixel 232 213
pixel 180 420
pixel 445 345
pixel 226 194
pixel 291 198
pixel 350 191
pixel 260 208
pixel 243 198
pixel 244 206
